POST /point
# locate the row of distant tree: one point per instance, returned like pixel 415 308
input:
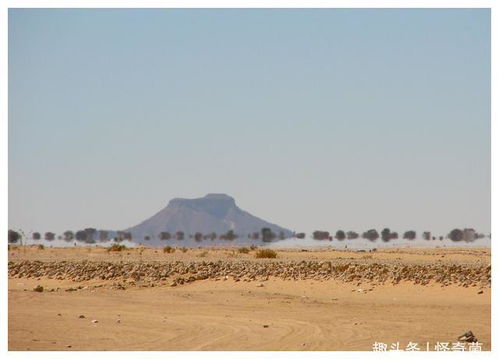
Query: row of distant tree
pixel 467 234
pixel 266 234
pixel 89 235
pixel 92 235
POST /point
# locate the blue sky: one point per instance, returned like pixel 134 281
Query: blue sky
pixel 312 119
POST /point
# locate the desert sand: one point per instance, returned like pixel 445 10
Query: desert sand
pixel 323 307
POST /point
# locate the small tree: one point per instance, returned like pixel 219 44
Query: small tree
pixel 267 234
pixel 103 235
pixel 49 236
pixel 320 235
pixel 427 235
pixel 36 235
pixel 340 235
pixel 410 235
pixel 469 234
pixel 198 236
pixel 230 235
pixel 90 233
pixel 179 235
pixel 456 235
pixel 352 235
pixel 165 236
pixel 371 234
pixel 68 236
pixel 14 237
pixel 300 235
pixel 385 234
pixel 81 235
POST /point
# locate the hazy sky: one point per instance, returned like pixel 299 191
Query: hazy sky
pixel 311 119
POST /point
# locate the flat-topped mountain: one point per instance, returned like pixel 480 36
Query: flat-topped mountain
pixel 212 213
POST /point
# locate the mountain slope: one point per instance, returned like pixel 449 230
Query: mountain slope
pixel 213 213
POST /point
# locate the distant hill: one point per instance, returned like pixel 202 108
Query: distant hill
pixel 212 213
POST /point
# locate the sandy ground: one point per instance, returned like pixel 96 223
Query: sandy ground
pixel 225 315
pixel 402 254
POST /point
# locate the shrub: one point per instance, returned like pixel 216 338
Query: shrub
pixel 41 246
pixel 183 249
pixel 203 254
pixel 243 250
pixel 168 249
pixel 253 247
pixel 116 248
pixel 266 253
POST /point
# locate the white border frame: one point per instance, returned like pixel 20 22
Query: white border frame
pixel 493 5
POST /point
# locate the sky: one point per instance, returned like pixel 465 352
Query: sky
pixel 310 118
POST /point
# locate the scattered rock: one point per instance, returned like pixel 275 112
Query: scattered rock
pixel 95 321
pixel 81 316
pixel 468 337
pixel 119 286
pixel 259 285
pixel 265 326
pixel 480 292
pixel 132 273
pixel 38 288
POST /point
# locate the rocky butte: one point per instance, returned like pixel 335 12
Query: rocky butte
pixel 212 213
